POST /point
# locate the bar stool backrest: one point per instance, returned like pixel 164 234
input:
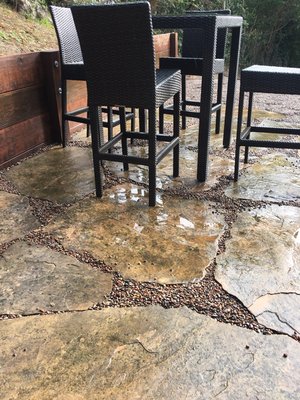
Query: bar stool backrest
pixel 68 41
pixel 119 63
pixel 193 39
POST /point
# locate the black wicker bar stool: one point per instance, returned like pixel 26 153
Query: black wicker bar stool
pixel 118 52
pixel 191 63
pixel 72 68
pixel 264 79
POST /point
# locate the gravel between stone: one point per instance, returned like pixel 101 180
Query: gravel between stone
pixel 205 297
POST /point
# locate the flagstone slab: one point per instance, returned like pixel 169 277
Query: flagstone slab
pixel 36 278
pixel 143 353
pixel 16 217
pixel 273 178
pixel 218 166
pixel 261 265
pixel 186 180
pixel 173 242
pixel 279 311
pixel 61 174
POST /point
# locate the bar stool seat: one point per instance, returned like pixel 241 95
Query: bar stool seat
pixel 118 51
pixel 264 79
pixel 191 63
pixel 73 69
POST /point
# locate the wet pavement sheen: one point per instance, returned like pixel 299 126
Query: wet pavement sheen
pixel 247 234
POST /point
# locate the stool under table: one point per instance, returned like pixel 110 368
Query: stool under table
pixel 264 79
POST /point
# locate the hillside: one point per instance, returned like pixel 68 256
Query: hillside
pixel 21 35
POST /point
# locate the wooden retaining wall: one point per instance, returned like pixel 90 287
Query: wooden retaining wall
pixel 30 101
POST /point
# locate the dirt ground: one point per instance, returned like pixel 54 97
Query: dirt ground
pixel 21 35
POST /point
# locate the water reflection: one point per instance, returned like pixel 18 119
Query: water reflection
pixel 185 223
pixel 134 194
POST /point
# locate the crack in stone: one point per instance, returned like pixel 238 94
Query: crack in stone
pixel 251 362
pixel 39 313
pixel 213 374
pixel 280 320
pixel 271 294
pixel 223 390
pixel 227 380
pixel 136 341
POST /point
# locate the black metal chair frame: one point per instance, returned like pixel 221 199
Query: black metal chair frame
pixel 72 69
pixel 264 79
pixel 209 25
pixel 118 52
pixel 191 63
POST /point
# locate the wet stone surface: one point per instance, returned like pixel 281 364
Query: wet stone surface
pixel 275 177
pixel 16 217
pixel 221 161
pixel 260 265
pixel 143 353
pixel 60 175
pixel 35 279
pixel 187 178
pixel 173 242
pixel 116 257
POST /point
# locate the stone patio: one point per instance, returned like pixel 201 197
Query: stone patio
pixel 197 298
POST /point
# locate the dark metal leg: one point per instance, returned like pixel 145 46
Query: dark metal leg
pixel 152 157
pixel 132 123
pixel 238 135
pixel 88 124
pixel 183 101
pixel 124 139
pixel 206 104
pixel 133 120
pixel 233 68
pixel 142 120
pixel 176 130
pixel 219 101
pixel 65 125
pixel 110 122
pixel 97 142
pixel 161 119
pixel 249 119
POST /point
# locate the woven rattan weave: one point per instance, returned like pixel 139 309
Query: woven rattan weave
pixel 118 52
pixel 191 63
pixel 264 79
pixel 72 68
pixel 209 25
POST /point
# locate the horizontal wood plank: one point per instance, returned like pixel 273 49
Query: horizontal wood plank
pixel 77 95
pixel 30 103
pixel 20 71
pixel 22 104
pixel 19 140
pixel 165 45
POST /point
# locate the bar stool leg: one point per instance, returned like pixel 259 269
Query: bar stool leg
pixel 133 120
pixel 124 139
pixel 176 130
pixel 219 101
pixel 249 119
pixel 110 123
pixel 238 136
pixel 65 126
pixel 183 101
pixel 142 122
pixel 152 157
pixel 88 123
pixel 161 119
pixel 97 142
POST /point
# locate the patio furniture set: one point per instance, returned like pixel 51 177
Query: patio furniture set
pixel 111 48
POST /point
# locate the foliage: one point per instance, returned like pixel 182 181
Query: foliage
pixel 271 29
pixel 272 32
